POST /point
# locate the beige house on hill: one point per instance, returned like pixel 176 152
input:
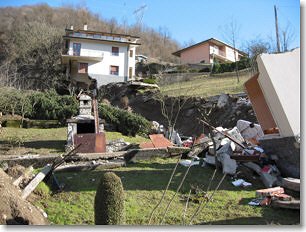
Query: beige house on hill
pixel 207 51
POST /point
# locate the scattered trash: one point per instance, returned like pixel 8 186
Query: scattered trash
pixel 187 163
pixel 241 182
pixel 255 202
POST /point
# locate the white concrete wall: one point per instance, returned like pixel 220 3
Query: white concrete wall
pixel 230 54
pixel 279 79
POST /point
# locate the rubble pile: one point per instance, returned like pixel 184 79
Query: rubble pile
pixel 238 153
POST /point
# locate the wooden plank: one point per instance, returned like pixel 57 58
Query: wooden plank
pixel 37 179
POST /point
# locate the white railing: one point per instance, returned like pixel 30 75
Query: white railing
pixel 89 53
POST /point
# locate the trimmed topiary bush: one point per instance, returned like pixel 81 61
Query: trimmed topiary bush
pixel 109 201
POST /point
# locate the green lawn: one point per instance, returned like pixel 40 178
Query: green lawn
pixel 205 86
pixel 144 182
pixel 44 141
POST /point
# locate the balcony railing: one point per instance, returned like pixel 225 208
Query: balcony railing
pixel 88 53
pixel 98 36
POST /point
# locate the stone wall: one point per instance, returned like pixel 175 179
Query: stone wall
pixel 287 151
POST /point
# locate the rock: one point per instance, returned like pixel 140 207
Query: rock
pixel 223 101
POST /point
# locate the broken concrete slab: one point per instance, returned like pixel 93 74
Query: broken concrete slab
pixel 291 183
pixel 90 165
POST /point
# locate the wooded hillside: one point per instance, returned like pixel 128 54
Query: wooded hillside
pixel 31 38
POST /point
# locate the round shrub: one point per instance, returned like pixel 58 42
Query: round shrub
pixel 109 201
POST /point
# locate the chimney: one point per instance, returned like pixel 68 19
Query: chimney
pixel 71 27
pixel 85 26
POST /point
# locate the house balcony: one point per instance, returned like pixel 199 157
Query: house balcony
pixel 84 55
pixel 220 55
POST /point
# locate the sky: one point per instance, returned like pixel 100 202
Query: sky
pixel 196 20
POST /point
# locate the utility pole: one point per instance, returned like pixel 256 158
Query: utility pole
pixel 276 28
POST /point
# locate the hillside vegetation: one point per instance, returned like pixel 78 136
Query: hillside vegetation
pixel 31 41
pixel 204 86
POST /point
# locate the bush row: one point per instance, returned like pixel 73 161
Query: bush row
pixel 231 67
pixel 125 122
pixel 37 105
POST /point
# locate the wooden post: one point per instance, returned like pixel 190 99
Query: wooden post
pixel 37 179
pixel 276 29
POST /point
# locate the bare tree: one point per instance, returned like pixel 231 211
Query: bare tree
pixel 254 48
pixel 230 34
pixel 286 38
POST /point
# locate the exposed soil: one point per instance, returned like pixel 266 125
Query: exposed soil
pixel 13 209
pixel 143 101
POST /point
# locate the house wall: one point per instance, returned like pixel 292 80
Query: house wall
pixel 102 67
pixel 230 54
pixel 196 54
pixel 279 80
pixel 202 52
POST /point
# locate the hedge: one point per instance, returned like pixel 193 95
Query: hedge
pixel 125 122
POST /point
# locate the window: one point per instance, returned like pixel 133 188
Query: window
pixel 115 51
pixel 83 68
pixel 76 49
pixel 114 70
pixel 131 53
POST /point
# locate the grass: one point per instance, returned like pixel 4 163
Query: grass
pixel 206 86
pixel 144 183
pixel 44 141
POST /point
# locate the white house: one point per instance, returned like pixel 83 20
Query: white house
pixel 98 58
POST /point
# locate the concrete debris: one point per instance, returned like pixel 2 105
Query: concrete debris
pixel 116 145
pixel 291 183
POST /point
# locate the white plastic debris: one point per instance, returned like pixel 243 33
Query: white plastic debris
pixel 186 163
pixel 241 182
pixel 255 202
